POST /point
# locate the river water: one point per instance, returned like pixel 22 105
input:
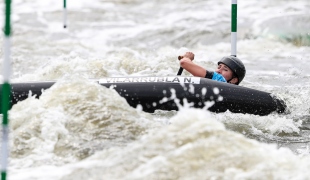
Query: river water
pixel 81 130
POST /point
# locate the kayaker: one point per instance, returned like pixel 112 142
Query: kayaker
pixel 230 69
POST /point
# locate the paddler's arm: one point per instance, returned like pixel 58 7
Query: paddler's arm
pixel 192 68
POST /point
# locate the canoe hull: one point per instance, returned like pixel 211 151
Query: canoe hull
pixel 163 93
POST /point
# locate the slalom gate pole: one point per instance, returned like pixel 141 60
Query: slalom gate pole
pixel 6 89
pixel 65 13
pixel 234 28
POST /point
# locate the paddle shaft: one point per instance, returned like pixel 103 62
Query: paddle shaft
pixel 180 69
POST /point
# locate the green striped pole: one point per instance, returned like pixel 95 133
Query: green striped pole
pixel 234 27
pixel 6 88
pixel 65 14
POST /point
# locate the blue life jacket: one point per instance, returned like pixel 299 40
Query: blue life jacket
pixel 215 76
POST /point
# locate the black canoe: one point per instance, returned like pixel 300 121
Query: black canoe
pixel 159 93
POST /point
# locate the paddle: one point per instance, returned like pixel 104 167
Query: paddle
pixel 180 69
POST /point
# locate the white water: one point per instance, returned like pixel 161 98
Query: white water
pixel 80 130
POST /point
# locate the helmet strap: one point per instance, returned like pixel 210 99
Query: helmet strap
pixel 234 76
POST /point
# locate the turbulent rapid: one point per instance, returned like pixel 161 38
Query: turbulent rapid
pixel 78 129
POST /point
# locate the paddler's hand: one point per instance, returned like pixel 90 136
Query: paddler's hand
pixel 189 55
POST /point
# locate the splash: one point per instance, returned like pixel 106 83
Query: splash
pixel 193 146
pixel 72 120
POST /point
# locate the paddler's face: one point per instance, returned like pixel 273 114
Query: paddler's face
pixel 226 72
